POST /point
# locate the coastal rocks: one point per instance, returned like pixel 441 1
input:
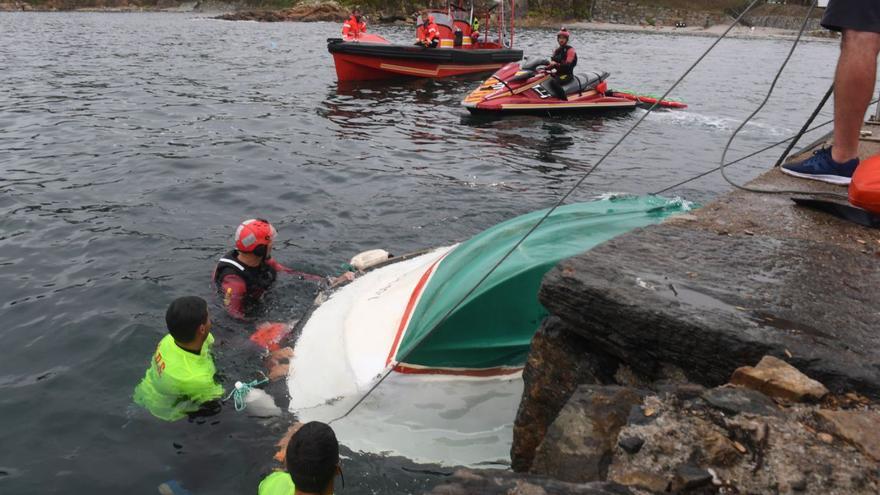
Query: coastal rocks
pixel 15 6
pixel 468 482
pixel 733 401
pixel 650 299
pixel 694 448
pixel 328 11
pixel 776 378
pixel 643 13
pixel 860 428
pixel 728 439
pixel 578 445
pixel 559 361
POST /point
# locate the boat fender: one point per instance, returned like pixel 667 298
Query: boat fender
pixel 367 259
pixel 864 189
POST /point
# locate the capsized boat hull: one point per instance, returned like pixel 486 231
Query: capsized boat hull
pixel 416 319
pixel 359 61
pixel 416 316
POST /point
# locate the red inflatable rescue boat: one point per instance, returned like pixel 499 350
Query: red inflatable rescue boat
pixel 465 47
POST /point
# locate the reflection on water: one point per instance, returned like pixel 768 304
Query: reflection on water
pixel 132 144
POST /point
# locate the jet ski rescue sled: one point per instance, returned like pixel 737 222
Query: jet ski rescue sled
pixel 527 88
pixel 462 48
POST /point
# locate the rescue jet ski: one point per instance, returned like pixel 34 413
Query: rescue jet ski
pixel 529 87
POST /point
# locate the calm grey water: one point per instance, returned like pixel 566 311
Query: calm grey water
pixel 132 144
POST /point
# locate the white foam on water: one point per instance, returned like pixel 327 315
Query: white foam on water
pixel 716 122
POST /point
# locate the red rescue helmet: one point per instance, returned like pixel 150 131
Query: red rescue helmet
pixel 252 234
pixel 563 32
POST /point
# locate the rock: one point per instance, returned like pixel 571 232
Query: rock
pixel 637 416
pixel 558 362
pixel 634 298
pixel 311 12
pixel 782 454
pixel 689 477
pixel 776 378
pixel 720 450
pixel 578 445
pixel 644 480
pixel 489 482
pixel 860 428
pixel 631 445
pixel 734 400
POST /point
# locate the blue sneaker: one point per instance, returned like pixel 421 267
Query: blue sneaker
pixel 822 167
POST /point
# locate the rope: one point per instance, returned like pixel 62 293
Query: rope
pixel 804 127
pixel 559 203
pixel 241 391
pixel 723 165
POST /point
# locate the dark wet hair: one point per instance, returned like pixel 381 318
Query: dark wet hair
pixel 184 316
pixel 312 457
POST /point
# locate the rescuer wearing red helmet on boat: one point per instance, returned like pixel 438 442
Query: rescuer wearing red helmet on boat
pixel 244 274
pixel 563 61
pixel 355 26
pixel 428 32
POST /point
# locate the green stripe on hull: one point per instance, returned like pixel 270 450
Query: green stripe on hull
pixel 495 325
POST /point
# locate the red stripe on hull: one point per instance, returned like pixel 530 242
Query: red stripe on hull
pixel 362 68
pixel 410 305
pixel 480 373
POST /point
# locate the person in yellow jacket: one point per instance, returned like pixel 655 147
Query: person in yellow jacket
pixel 312 461
pixel 180 379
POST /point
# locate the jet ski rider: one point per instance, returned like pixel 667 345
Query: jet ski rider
pixel 563 61
pixel 244 274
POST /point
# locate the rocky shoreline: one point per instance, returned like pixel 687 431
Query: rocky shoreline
pixel 731 350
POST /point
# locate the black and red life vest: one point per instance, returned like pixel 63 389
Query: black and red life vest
pixel 257 279
pixel 559 56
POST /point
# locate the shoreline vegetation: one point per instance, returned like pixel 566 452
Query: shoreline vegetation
pixel 680 17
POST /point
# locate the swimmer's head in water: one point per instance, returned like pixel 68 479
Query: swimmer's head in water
pixel 255 236
pixel 313 457
pixel 185 316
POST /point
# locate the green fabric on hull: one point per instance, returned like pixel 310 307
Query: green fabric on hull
pixel 494 326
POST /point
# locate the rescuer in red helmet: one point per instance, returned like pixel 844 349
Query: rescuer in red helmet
pixel 244 274
pixel 563 61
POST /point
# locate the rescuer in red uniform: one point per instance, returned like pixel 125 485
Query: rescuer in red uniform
pixel 428 33
pixel 355 26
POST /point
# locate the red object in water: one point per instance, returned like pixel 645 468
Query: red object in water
pixel 371 57
pixel 269 335
pixel 864 189
pixel 529 88
pixel 650 100
pixel 362 61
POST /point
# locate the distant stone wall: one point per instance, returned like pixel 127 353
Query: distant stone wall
pixel 783 22
pixel 626 12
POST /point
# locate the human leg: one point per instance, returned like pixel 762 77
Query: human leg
pixel 853 89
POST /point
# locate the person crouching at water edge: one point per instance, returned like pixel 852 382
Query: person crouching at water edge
pixel 180 379
pixel 312 462
pixel 355 26
pixel 428 32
